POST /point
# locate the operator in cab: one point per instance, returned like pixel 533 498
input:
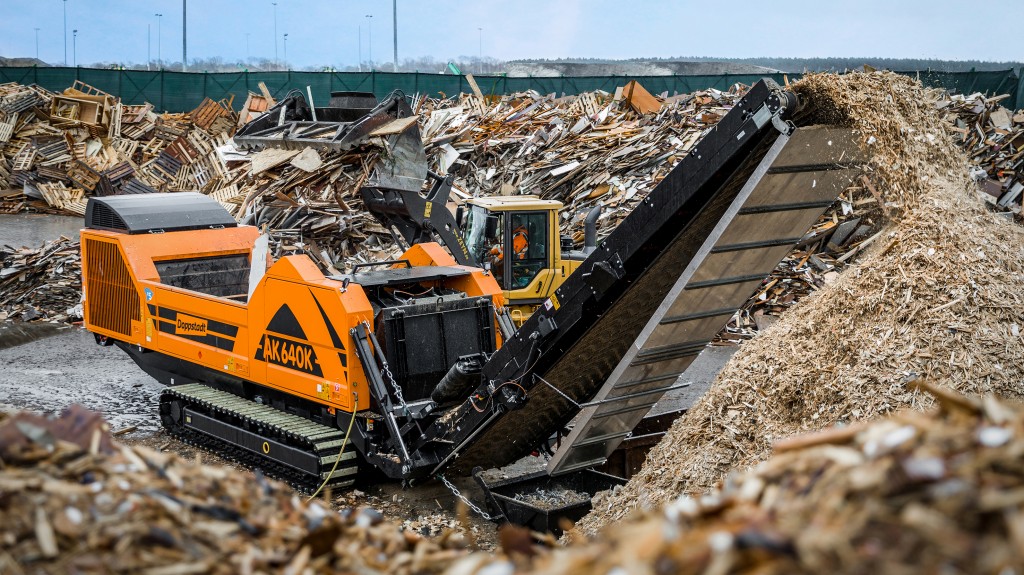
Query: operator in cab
pixel 520 243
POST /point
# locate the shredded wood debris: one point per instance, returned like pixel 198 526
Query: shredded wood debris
pixel 915 493
pixel 74 501
pixel 41 283
pixel 937 293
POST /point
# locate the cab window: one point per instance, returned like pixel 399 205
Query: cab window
pixel 528 244
pixel 484 248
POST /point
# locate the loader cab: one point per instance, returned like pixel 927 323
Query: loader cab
pixel 519 237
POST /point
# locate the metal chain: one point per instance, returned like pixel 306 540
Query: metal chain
pixel 391 378
pixel 394 384
pixel 455 491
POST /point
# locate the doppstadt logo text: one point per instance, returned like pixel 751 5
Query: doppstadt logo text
pixel 188 325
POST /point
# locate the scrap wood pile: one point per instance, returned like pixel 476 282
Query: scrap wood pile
pixel 309 200
pixel 937 293
pixel 582 150
pixel 60 148
pixel 915 493
pixel 593 148
pixel 73 501
pixel 43 283
pixel 993 138
pixel 612 149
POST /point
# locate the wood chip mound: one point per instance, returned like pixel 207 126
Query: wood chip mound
pixel 938 293
pixel 73 501
pixel 915 493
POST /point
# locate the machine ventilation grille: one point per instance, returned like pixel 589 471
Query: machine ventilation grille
pixel 111 297
pixel 104 217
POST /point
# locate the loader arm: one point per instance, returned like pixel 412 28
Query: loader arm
pixel 417 218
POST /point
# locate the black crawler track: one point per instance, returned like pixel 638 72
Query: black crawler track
pixel 238 419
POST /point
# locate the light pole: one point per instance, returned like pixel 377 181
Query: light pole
pixel 149 46
pixel 369 39
pixel 159 43
pixel 74 46
pixel 394 18
pixel 480 66
pixel 184 35
pixel 286 51
pixel 65 32
pixel 37 43
pixel 360 47
pixel 275 33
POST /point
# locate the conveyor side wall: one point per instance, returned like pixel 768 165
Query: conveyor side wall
pixel 600 310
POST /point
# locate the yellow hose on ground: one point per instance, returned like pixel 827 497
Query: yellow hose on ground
pixel 341 452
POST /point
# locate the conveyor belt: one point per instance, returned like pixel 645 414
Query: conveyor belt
pixel 799 177
pixel 288 447
pixel 566 351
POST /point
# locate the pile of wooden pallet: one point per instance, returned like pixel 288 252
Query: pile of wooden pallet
pixel 58 149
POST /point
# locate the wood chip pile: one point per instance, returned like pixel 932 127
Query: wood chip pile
pixel 937 293
pixel 43 283
pixel 915 493
pixel 73 501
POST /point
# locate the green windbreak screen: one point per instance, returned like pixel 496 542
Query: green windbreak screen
pixel 181 92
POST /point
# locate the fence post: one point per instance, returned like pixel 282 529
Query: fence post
pixel 1019 96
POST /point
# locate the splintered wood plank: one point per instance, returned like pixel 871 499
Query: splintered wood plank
pixel 640 99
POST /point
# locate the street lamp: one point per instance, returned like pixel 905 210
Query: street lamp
pixel 184 35
pixel 65 32
pixel 159 52
pixel 286 51
pixel 37 43
pixel 370 41
pixel 274 4
pixel 394 18
pixel 74 46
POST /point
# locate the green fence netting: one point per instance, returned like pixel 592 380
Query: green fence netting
pixel 180 92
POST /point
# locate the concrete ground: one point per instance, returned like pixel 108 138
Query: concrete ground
pixel 31 230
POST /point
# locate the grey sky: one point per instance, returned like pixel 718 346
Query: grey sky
pixel 322 32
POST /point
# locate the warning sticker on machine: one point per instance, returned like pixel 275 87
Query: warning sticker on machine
pixel 188 325
pixel 552 303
